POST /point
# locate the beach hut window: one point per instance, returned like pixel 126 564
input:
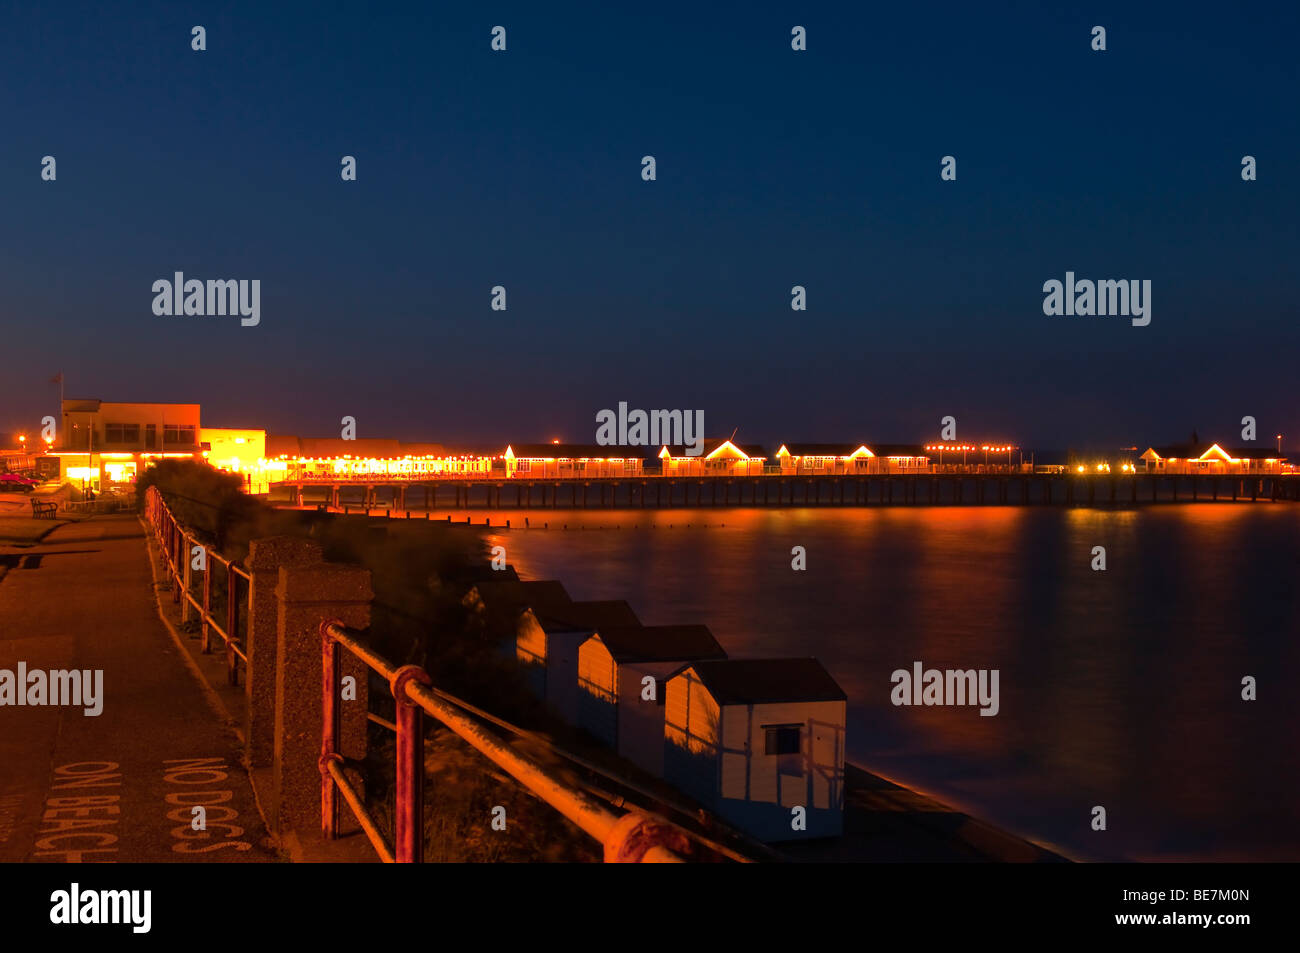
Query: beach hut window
pixel 783 739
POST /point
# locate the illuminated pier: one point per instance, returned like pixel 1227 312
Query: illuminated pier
pixel 103 444
pixel 777 490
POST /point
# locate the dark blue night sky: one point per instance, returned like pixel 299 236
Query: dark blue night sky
pixel 775 168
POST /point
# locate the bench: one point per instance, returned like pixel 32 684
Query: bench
pixel 44 511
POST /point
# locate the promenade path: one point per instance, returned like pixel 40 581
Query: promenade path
pixel 120 786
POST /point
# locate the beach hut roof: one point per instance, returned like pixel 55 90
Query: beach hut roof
pixel 767 681
pixel 576 451
pixel 324 448
pixel 825 449
pixel 660 643
pixel 581 616
pixel 538 595
pixel 712 447
pixel 900 450
pixel 1195 451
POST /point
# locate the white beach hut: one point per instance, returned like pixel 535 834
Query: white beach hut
pixel 753 740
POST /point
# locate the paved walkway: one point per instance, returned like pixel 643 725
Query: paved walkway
pixel 119 786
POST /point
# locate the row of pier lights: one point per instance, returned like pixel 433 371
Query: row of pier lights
pixel 726 473
pixel 728 461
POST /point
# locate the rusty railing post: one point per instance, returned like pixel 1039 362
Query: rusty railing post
pixel 175 562
pixel 187 574
pixel 329 801
pixel 207 600
pixel 159 533
pixel 408 826
pixel 232 599
pixel 232 663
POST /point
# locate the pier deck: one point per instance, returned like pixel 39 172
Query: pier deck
pixel 924 489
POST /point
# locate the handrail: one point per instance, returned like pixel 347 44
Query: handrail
pixel 626 837
pixel 359 809
pixel 589 766
pixel 631 837
pixel 174 548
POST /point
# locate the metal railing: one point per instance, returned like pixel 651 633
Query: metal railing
pixel 175 547
pixel 630 837
pixel 638 836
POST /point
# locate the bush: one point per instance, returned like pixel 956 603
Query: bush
pixel 419 570
pixel 203 499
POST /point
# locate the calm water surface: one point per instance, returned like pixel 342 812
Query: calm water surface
pixel 1119 688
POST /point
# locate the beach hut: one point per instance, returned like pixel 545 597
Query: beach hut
pixel 826 458
pixel 498 605
pixel 754 739
pixel 571 460
pixel 1212 458
pixel 716 458
pixel 547 637
pixel 901 458
pixel 621 675
pixel 500 601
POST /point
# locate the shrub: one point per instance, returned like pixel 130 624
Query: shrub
pixel 204 499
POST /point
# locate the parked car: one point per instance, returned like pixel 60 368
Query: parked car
pixel 13 481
